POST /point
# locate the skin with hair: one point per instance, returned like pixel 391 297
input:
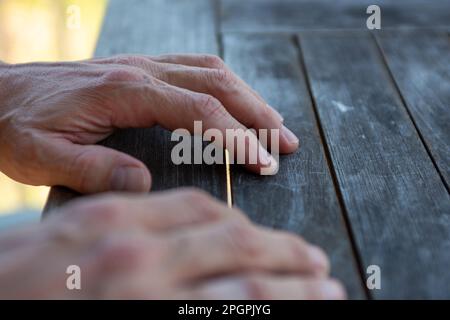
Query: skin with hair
pixel 51 115
pixel 173 245
pixel 181 244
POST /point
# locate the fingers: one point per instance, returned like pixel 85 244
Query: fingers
pixel 161 211
pixel 193 60
pixel 236 246
pixel 181 208
pixel 235 95
pixel 93 168
pixel 173 108
pixel 218 86
pixel 209 74
pixel 197 240
pixel 266 287
pixel 206 61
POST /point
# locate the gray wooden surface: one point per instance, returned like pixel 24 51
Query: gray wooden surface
pixel 294 15
pixel 420 65
pixel 394 197
pixel 370 181
pixel 301 197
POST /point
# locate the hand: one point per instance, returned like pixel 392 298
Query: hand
pixel 174 245
pixel 52 114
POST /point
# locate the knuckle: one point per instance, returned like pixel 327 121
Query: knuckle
pixel 221 76
pixel 223 80
pixel 107 212
pixel 245 239
pixel 319 261
pixel 200 201
pixel 213 61
pixel 314 258
pixel 266 113
pixel 82 164
pixel 207 106
pixel 123 74
pixel 64 232
pixel 204 206
pixel 123 59
pixel 126 253
pixel 118 254
pixel 311 257
pixel 298 245
pixel 131 60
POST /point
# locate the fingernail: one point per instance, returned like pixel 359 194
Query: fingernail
pixel 318 259
pixel 280 117
pixel 270 165
pixel 332 290
pixel 129 178
pixel 288 135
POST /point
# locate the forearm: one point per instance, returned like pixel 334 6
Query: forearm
pixel 6 95
pixel 4 71
pixel 14 86
pixel 4 88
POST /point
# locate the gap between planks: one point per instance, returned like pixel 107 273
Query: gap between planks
pixel 405 106
pixel 345 217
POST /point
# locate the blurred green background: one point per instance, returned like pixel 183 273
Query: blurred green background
pixel 42 30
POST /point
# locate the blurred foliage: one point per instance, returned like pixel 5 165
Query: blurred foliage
pixel 44 30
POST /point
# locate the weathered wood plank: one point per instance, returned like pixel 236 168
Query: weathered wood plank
pixel 420 65
pixel 157 27
pixel 294 15
pixel 301 197
pixel 396 202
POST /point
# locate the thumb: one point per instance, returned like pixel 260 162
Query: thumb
pixel 94 168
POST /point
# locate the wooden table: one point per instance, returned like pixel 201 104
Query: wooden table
pixel 370 183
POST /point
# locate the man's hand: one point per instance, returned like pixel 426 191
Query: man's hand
pixel 51 115
pixel 174 245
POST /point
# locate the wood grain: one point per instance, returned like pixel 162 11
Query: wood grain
pixel 392 207
pixel 395 200
pixel 294 15
pixel 301 197
pixel 420 65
